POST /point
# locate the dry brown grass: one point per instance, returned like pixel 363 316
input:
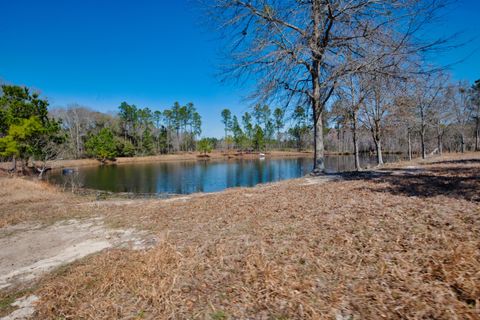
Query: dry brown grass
pixel 363 248
pixel 30 200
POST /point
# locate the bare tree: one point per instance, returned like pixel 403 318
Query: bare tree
pixel 51 151
pixel 404 117
pixel 475 111
pixel 352 93
pixel 377 108
pixel 296 50
pixel 461 109
pixel 441 117
pixel 427 90
pixel 78 121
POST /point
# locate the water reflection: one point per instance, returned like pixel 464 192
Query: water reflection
pixel 184 177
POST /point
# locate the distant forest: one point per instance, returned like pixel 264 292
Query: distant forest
pixel 429 119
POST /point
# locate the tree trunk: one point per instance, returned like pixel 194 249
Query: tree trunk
pixel 14 164
pixel 463 142
pixel 409 145
pixel 316 99
pixel 376 135
pixel 42 170
pixel 22 162
pixel 355 142
pixel 440 144
pixel 378 149
pixel 422 139
pixel 77 142
pixel 319 161
pixel 477 134
pixel 422 132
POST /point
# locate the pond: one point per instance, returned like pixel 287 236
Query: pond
pixel 185 177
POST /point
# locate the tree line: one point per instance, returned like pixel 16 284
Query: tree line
pixel 370 114
pixel 30 132
pixel 316 53
pixel 262 130
pixel 424 115
pixel 133 131
pixel 428 114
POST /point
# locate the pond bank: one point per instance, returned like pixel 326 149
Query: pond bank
pixel 400 242
pixel 192 156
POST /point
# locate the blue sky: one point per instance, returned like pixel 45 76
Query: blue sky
pixel 99 53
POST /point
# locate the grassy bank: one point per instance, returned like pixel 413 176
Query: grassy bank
pixel 396 243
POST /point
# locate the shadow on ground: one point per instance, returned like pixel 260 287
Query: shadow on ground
pixel 462 161
pixel 457 179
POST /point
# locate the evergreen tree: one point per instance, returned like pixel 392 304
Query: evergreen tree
pixel 205 146
pixel 237 132
pixel 147 142
pixel 279 115
pixel 129 120
pixel 301 127
pixel 227 120
pixel 25 127
pixel 258 138
pixel 102 146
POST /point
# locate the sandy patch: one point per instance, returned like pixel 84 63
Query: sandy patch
pixel 30 252
pixel 308 181
pixel 177 199
pixel 26 307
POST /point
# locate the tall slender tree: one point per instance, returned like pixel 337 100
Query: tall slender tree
pixel 475 111
pixel 227 121
pixel 279 122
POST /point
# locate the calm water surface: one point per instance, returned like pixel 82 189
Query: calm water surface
pixel 184 177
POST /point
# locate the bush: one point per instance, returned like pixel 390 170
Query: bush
pixel 102 146
pixel 204 146
pixel 124 148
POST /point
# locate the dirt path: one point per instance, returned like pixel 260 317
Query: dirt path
pixel 29 251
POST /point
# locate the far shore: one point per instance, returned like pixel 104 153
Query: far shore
pixel 185 156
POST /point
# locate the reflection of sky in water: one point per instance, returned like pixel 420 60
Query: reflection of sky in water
pixel 183 177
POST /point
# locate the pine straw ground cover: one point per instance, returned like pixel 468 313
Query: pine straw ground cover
pixel 394 245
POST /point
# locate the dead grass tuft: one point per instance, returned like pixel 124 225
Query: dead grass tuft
pixel 28 200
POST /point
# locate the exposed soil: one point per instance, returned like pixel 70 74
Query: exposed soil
pixel 32 250
pixel 402 242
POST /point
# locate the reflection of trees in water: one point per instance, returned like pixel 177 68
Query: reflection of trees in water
pixel 232 166
pixel 199 176
pixel 259 166
pixel 270 171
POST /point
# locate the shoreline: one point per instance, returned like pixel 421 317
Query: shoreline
pixel 193 156
pixel 187 156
